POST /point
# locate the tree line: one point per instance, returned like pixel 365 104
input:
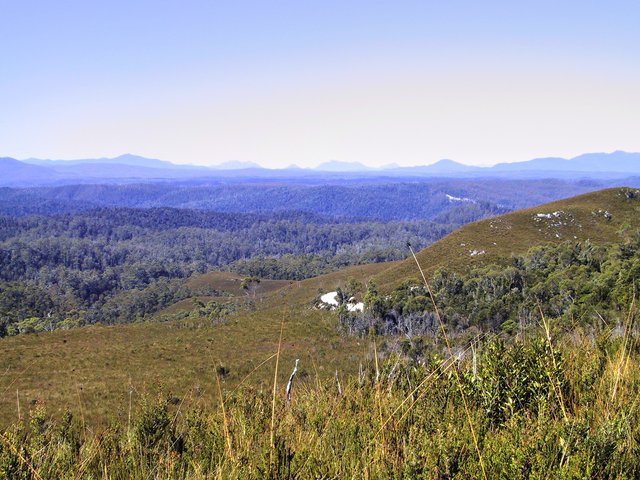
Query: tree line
pixel 580 283
pixel 114 265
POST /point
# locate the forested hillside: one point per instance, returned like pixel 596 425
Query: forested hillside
pixel 81 254
pixel 119 264
pixel 115 265
pixel 443 200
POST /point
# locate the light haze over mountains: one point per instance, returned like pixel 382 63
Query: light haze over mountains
pixel 132 168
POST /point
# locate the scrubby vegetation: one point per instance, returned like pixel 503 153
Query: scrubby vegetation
pixel 539 408
pixel 580 283
pixel 553 395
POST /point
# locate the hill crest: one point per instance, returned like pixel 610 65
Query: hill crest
pixel 597 216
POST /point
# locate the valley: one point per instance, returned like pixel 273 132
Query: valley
pixel 219 322
pixel 184 372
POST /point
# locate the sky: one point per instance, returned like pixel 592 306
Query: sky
pixel 304 82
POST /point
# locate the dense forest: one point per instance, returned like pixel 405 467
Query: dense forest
pixel 442 200
pixel 114 265
pixel 79 254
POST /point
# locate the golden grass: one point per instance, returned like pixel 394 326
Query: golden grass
pixel 515 233
pixel 93 367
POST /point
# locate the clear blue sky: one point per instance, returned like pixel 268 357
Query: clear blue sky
pixel 309 81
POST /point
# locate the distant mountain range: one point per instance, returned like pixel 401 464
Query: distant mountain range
pixel 132 168
pixel 126 159
pixel 620 162
pixel 600 163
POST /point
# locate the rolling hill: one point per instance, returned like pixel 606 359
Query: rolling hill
pixel 384 200
pixel 597 216
pixel 94 368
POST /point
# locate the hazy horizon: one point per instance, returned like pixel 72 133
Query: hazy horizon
pixel 290 83
pixel 315 166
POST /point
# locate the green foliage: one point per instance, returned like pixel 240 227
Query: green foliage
pixel 577 282
pixel 120 265
pixel 522 377
pixel 215 312
pixel 374 303
pixel 154 423
pixel 410 420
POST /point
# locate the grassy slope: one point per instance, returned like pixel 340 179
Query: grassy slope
pixel 228 284
pixel 581 218
pixel 91 368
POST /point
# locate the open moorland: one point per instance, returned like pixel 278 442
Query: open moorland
pixel 522 340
